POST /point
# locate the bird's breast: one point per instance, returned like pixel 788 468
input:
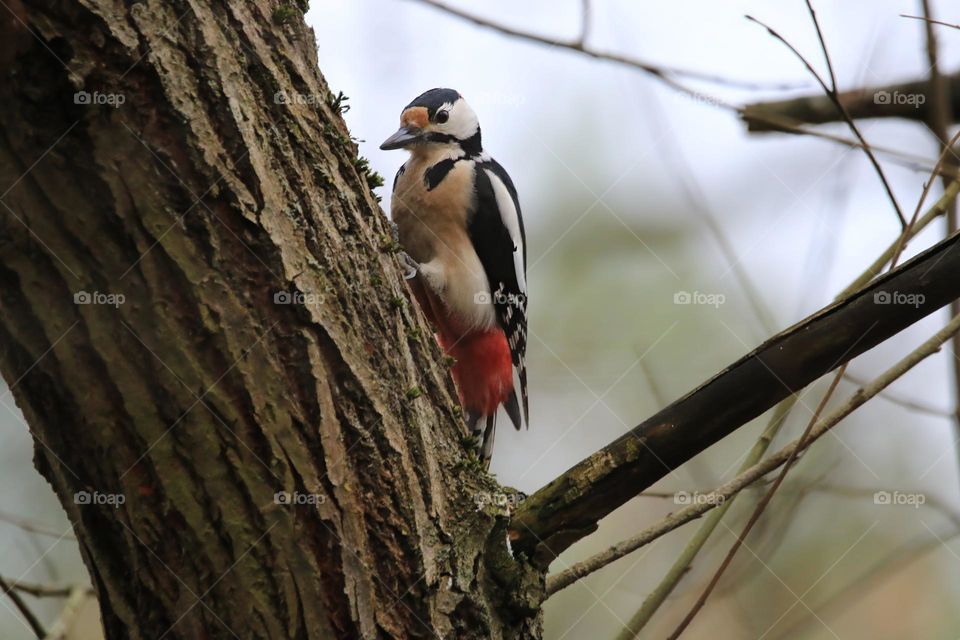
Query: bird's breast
pixel 432 226
pixel 427 218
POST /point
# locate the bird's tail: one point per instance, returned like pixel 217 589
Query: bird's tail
pixel 483 372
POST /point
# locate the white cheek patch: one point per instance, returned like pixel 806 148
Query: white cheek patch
pixel 463 121
pixel 511 221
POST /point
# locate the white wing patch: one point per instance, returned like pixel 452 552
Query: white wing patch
pixel 508 214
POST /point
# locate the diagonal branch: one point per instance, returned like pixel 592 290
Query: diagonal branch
pixel 570 507
pixel 941 113
pixel 780 413
pixel 832 94
pixel 662 73
pixel 907 100
pixel 802 443
pixel 8 590
pixel 722 494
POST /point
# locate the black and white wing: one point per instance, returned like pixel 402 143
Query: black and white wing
pixel 496 231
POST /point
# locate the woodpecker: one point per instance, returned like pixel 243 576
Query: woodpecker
pixel 458 220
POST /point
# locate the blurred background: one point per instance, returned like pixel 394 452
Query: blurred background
pixel 617 175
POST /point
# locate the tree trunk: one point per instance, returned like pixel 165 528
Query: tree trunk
pixel 200 309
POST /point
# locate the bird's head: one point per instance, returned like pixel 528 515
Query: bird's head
pixel 437 117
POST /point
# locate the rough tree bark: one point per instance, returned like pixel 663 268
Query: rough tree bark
pixel 199 308
pixel 204 170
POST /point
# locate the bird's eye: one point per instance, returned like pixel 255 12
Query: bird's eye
pixel 442 116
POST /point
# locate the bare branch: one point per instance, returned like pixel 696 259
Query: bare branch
pixel 662 73
pixel 724 492
pixel 569 507
pixel 906 403
pixel 882 101
pixel 7 589
pixel 929 20
pixel 681 565
pixel 941 113
pixel 832 93
pixel 760 508
pixel 585 11
pixel 32 527
pixel 40 590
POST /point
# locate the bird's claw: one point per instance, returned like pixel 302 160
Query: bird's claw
pixel 413 267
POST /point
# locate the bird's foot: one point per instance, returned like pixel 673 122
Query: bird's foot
pixel 412 266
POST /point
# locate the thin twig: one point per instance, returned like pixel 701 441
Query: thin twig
pixel 6 589
pixel 768 496
pixel 906 403
pixel 934 212
pixel 662 73
pixel 930 501
pixel 832 92
pixel 600 560
pixel 39 590
pixel 584 22
pixel 659 72
pixel 786 124
pixel 32 527
pixel 681 566
pixel 948 206
pixel 858 587
pixel 939 120
pixel 722 493
pixel 761 506
pixel 929 21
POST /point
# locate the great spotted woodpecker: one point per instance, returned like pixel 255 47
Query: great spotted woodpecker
pixel 458 219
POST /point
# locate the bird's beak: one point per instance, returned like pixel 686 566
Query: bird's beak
pixel 404 137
